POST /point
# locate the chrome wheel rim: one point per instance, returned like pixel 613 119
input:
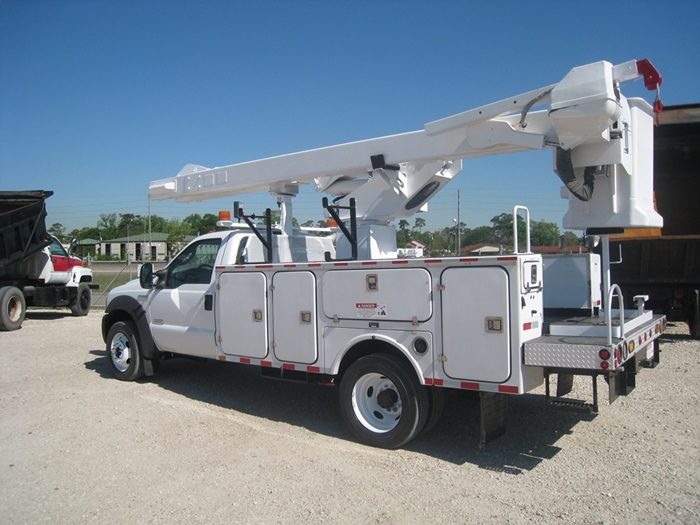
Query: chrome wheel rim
pixel 120 352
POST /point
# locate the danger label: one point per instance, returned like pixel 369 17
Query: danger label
pixel 370 310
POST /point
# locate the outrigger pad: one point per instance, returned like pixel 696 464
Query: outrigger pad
pixel 494 411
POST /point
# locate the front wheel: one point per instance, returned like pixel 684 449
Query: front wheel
pixel 382 402
pixel 13 308
pixel 123 353
pixel 81 306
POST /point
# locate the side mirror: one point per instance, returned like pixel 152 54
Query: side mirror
pixel 146 275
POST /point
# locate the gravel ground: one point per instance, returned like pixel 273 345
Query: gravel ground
pixel 209 442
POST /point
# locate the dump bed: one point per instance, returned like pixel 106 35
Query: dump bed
pixel 22 225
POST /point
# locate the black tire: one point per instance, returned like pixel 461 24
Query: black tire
pixel 694 316
pixel 13 308
pixel 123 351
pixel 437 405
pixel 81 306
pixel 382 402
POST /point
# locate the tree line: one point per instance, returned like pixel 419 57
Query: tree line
pixel 118 225
pixel 438 242
pixel 500 232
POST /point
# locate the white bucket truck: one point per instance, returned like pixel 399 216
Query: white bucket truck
pixel 394 333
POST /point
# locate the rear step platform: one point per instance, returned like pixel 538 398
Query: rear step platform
pixel 564 385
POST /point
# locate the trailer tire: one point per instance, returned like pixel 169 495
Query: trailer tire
pixel 123 352
pixel 382 402
pixel 694 317
pixel 83 299
pixel 13 308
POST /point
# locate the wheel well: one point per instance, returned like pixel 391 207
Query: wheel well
pixel 128 309
pixel 114 317
pixel 368 347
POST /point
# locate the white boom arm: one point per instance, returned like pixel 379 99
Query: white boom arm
pixel 394 176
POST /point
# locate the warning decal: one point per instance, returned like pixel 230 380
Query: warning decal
pixel 370 310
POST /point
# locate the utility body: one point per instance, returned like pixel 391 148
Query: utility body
pixel 35 268
pixel 393 333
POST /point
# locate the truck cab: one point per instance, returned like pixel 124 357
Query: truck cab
pixel 177 302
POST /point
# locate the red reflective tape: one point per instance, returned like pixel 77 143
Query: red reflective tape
pixel 506 258
pixel 369 263
pixel 340 264
pixel 508 389
pixel 288 366
pixel 314 265
pixel 428 380
pixel 313 369
pixel 265 363
pixel 290 265
pixel 466 385
pixel 245 360
pixel 527 326
pixel 221 267
pixel 438 382
pixel 400 261
pixel 263 266
pixel 469 259
pixel 429 261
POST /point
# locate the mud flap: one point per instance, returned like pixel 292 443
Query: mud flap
pixel 565 383
pixel 150 367
pixel 494 411
pixel 655 359
pixel 623 380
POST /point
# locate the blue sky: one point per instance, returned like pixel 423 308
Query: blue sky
pixel 98 98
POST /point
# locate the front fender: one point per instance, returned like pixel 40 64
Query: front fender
pixel 125 308
pixel 81 275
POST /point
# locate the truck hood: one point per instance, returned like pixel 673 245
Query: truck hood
pixel 132 288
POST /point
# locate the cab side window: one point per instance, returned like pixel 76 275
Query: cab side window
pixel 57 249
pixel 194 265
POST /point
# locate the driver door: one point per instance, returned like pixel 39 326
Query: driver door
pixel 60 261
pixel 181 318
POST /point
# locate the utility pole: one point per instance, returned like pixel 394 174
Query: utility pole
pixel 459 229
pixel 150 238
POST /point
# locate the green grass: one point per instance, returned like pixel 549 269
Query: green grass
pixel 107 281
pixel 111 280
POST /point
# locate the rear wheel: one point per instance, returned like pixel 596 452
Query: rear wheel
pixel 81 306
pixel 382 402
pixel 123 353
pixel 13 308
pixel 437 405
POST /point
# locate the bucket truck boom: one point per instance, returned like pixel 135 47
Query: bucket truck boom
pixel 394 176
